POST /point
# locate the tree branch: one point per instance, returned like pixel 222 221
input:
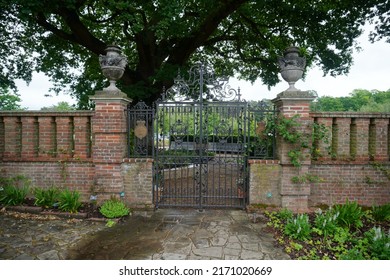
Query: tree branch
pixel 81 33
pixel 41 20
pixel 186 46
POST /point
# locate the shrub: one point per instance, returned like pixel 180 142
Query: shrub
pixel 46 197
pixel 299 227
pixel 11 195
pixel 114 208
pixel 69 201
pixel 348 215
pixel 381 213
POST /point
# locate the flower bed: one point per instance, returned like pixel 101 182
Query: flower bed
pixel 344 232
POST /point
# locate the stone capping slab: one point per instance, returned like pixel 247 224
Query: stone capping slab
pixel 263 161
pixel 349 115
pixel 294 95
pixel 347 162
pixel 35 113
pixel 45 159
pixel 135 160
pixel 105 95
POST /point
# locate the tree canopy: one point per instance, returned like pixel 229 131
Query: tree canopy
pixel 63 38
pixel 359 100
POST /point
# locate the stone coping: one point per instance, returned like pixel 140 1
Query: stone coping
pixel 76 113
pixel 349 115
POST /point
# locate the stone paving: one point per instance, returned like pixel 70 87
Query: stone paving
pixel 43 237
pixel 167 234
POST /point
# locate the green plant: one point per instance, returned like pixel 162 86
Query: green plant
pixel 110 223
pixel 306 178
pixel 46 197
pixel 380 167
pixel 381 213
pixel 275 221
pixel 352 254
pixel 299 227
pixel 69 201
pixel 379 246
pixel 320 134
pixel 114 208
pixel 285 214
pixel 325 223
pixel 11 195
pixel 349 214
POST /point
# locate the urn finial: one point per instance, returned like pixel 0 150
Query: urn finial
pixel 291 66
pixel 113 66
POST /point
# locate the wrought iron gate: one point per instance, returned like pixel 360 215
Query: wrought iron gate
pixel 200 135
pixel 200 156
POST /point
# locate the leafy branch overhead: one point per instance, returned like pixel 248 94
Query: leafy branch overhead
pixel 243 37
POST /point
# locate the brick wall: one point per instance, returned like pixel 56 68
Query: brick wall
pixel 358 166
pixel 50 148
pixel 62 174
pixel 364 183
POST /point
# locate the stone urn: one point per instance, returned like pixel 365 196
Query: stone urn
pixel 113 66
pixel 291 67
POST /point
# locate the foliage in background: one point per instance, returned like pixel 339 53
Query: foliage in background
pixel 9 100
pixel 360 100
pixel 61 106
pixel 63 38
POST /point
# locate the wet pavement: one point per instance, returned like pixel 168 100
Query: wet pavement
pixel 166 234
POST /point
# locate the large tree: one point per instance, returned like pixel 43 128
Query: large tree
pixel 63 38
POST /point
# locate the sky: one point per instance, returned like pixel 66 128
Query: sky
pixel 370 71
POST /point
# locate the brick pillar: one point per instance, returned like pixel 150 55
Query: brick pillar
pixel 47 137
pixel 323 149
pixel 12 141
pixel 294 196
pixel 82 135
pixel 109 141
pixel 342 139
pixel 381 140
pixel 30 137
pixel 64 137
pixel 362 138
